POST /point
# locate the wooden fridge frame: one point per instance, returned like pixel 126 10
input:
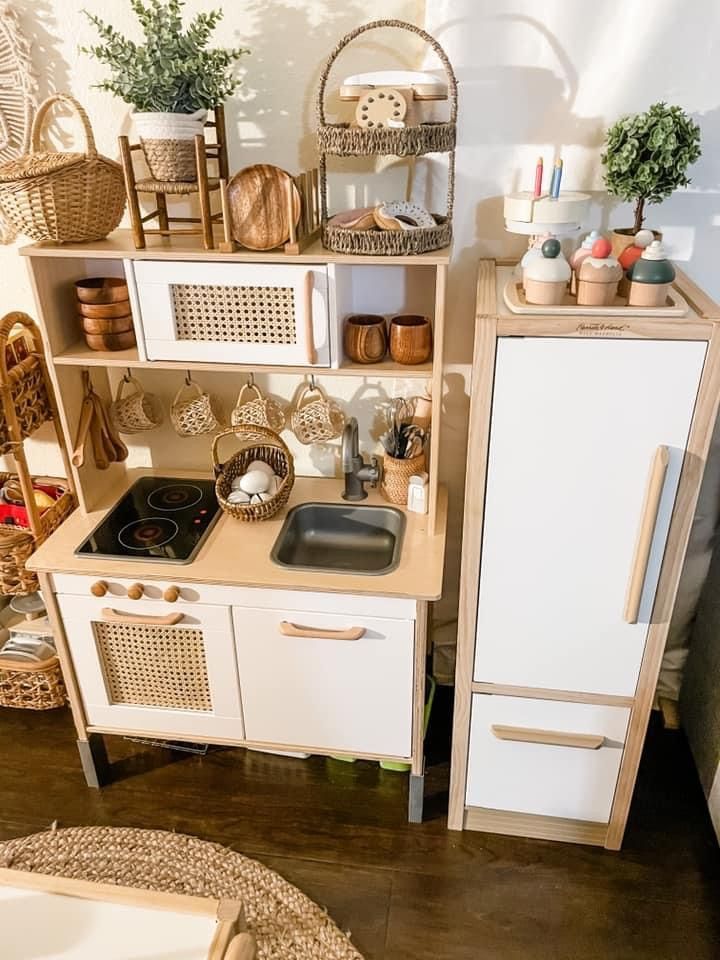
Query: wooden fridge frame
pixel 492 320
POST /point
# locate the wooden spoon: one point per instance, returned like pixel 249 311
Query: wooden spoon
pixel 86 415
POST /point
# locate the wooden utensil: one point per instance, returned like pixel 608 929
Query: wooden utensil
pixel 113 437
pixel 257 197
pixel 86 415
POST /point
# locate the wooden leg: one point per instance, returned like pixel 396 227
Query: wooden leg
pixel 416 797
pixel 204 193
pixel 162 211
pixel 94 759
pixel 132 197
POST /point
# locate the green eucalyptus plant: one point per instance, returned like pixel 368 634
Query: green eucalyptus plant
pixel 646 156
pixel 173 71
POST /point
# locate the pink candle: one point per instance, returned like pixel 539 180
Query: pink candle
pixel 539 177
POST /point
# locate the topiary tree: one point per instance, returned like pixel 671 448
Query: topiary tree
pixel 646 156
pixel 172 71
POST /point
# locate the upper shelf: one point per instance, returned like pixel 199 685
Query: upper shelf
pixel 120 246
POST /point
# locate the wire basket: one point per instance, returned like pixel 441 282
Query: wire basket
pixel 256 443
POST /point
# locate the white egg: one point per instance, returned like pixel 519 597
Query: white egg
pixel 238 496
pixel 255 481
pixel 262 497
pixel 275 482
pixel 235 485
pixel 260 465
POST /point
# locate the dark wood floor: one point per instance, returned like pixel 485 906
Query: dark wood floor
pixel 419 892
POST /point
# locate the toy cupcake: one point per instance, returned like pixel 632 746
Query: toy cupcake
pixel 546 277
pixel 650 277
pixel 534 250
pixel 641 240
pixel 583 251
pixel 598 276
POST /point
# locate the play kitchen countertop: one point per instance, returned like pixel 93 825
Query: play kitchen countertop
pixel 238 553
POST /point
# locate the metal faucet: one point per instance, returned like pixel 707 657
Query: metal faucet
pixel 356 471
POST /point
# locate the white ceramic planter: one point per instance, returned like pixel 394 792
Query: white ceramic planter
pixel 168 142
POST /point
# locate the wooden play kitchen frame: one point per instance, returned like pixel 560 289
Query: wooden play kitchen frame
pixel 202 609
pixel 551 715
pixel 125 913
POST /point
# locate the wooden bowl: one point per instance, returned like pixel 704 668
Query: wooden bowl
pixel 111 341
pixel 104 311
pixel 111 325
pixel 101 290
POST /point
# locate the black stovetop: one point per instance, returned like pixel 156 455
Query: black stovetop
pixel 159 518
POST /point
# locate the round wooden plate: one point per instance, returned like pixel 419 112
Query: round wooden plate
pixel 258 206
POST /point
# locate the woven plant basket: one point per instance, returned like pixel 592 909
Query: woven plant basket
pixel 32 686
pixel 256 443
pixel 66 197
pixel 345 140
pixel 396 476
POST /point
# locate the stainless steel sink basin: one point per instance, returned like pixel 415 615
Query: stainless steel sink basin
pixel 340 538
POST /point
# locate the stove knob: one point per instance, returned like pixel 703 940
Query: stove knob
pixel 99 589
pixel 135 591
pixel 171 594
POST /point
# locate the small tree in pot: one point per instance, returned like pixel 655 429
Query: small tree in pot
pixel 171 80
pixel 646 157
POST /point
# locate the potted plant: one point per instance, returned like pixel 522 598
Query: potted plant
pixel 171 80
pixel 646 157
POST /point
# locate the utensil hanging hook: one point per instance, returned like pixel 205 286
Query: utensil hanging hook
pixel 188 378
pixel 251 379
pixel 312 381
pixel 127 376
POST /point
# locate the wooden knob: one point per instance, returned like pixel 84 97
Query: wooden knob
pixel 171 594
pixel 135 591
pixel 99 588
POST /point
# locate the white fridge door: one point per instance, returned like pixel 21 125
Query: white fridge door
pixel 576 425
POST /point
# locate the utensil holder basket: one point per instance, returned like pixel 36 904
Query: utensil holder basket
pixel 396 476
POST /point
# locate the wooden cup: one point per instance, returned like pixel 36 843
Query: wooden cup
pixel 410 339
pixel 365 337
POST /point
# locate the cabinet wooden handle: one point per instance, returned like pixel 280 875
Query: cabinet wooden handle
pixel 307 305
pixel 555 738
pixel 171 594
pixel 241 947
pixel 135 591
pixel 117 616
pixel 641 557
pixel 296 630
pixel 99 588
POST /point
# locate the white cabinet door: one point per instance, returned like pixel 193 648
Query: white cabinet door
pixel 234 312
pixel 575 427
pixel 138 674
pixel 303 685
pixel 511 768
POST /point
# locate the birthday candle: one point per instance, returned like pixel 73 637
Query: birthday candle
pixel 539 177
pixel 557 177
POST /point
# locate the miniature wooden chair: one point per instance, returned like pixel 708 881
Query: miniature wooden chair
pixel 203 186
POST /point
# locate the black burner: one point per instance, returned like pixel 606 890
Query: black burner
pixel 137 528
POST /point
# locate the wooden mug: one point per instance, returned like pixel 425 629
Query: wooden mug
pixel 365 337
pixel 410 339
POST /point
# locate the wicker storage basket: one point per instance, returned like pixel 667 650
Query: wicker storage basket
pixel 32 686
pixel 344 140
pixel 30 400
pixel 256 443
pixel 67 197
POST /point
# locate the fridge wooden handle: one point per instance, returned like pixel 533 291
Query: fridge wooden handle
pixel 641 557
pixel 307 306
pixel 117 616
pixel 555 738
pixel 288 629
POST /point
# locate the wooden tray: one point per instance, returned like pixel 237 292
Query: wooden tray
pixel 514 297
pixel 53 918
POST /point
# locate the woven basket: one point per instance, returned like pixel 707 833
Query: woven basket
pixel 67 197
pixel 32 686
pixel 316 418
pixel 261 411
pixel 396 476
pixel 345 140
pixel 257 443
pixel 192 416
pixel 29 397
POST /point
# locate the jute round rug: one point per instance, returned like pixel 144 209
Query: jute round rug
pixel 286 923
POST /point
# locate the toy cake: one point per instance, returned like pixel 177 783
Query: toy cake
pixel 526 213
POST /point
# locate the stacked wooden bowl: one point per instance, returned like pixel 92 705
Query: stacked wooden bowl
pixel 104 308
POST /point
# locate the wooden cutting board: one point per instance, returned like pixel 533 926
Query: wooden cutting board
pixel 257 197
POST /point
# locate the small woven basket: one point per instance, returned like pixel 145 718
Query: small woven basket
pixel 261 411
pixel 192 416
pixel 316 418
pixel 345 140
pixel 32 686
pixel 66 197
pixel 256 443
pixel 396 476
pixel 137 412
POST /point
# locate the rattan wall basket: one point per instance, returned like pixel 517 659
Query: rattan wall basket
pixel 66 197
pixel 32 686
pixel 345 140
pixel 256 443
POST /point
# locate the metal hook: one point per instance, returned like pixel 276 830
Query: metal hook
pixel 251 380
pixel 312 381
pixel 188 378
pixel 127 376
